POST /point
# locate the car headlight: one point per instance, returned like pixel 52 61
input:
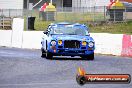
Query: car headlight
pixel 53 42
pixel 90 44
pixel 84 43
pixel 60 42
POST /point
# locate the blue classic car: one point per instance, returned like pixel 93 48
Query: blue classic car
pixel 67 39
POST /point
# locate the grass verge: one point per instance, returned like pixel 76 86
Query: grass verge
pixel 115 28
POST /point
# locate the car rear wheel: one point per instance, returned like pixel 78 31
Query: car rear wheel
pixel 49 55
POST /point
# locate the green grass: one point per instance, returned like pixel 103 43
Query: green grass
pixel 69 16
pixel 42 25
pixel 116 28
pixel 62 16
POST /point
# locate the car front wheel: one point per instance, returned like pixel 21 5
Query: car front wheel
pixel 88 57
pixel 49 55
pixel 43 53
pixel 91 57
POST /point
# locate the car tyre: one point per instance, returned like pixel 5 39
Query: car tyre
pixel 43 53
pixel 49 55
pixel 88 57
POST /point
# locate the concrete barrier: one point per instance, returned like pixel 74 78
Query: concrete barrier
pixel 5 38
pixel 106 43
pixel 32 39
pixel 17 32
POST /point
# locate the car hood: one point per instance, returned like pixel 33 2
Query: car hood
pixel 71 37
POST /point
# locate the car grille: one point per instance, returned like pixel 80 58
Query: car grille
pixel 71 44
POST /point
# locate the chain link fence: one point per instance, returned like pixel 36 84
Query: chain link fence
pixel 70 14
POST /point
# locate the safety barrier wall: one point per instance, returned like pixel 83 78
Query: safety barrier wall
pixel 5 37
pixel 17 32
pixel 32 39
pixel 105 43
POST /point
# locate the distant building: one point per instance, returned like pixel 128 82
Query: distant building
pixel 70 3
pixel 20 4
pixel 11 4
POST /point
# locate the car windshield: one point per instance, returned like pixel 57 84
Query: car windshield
pixel 70 30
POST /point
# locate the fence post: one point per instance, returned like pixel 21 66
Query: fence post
pixel 104 14
pixel 2 12
pixel 114 15
pixel 94 14
pixel 83 13
pixel 65 13
pixel 125 15
pixel 27 19
pixel 9 12
pixel 56 16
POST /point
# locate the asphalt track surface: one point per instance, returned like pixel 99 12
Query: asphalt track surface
pixel 23 68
